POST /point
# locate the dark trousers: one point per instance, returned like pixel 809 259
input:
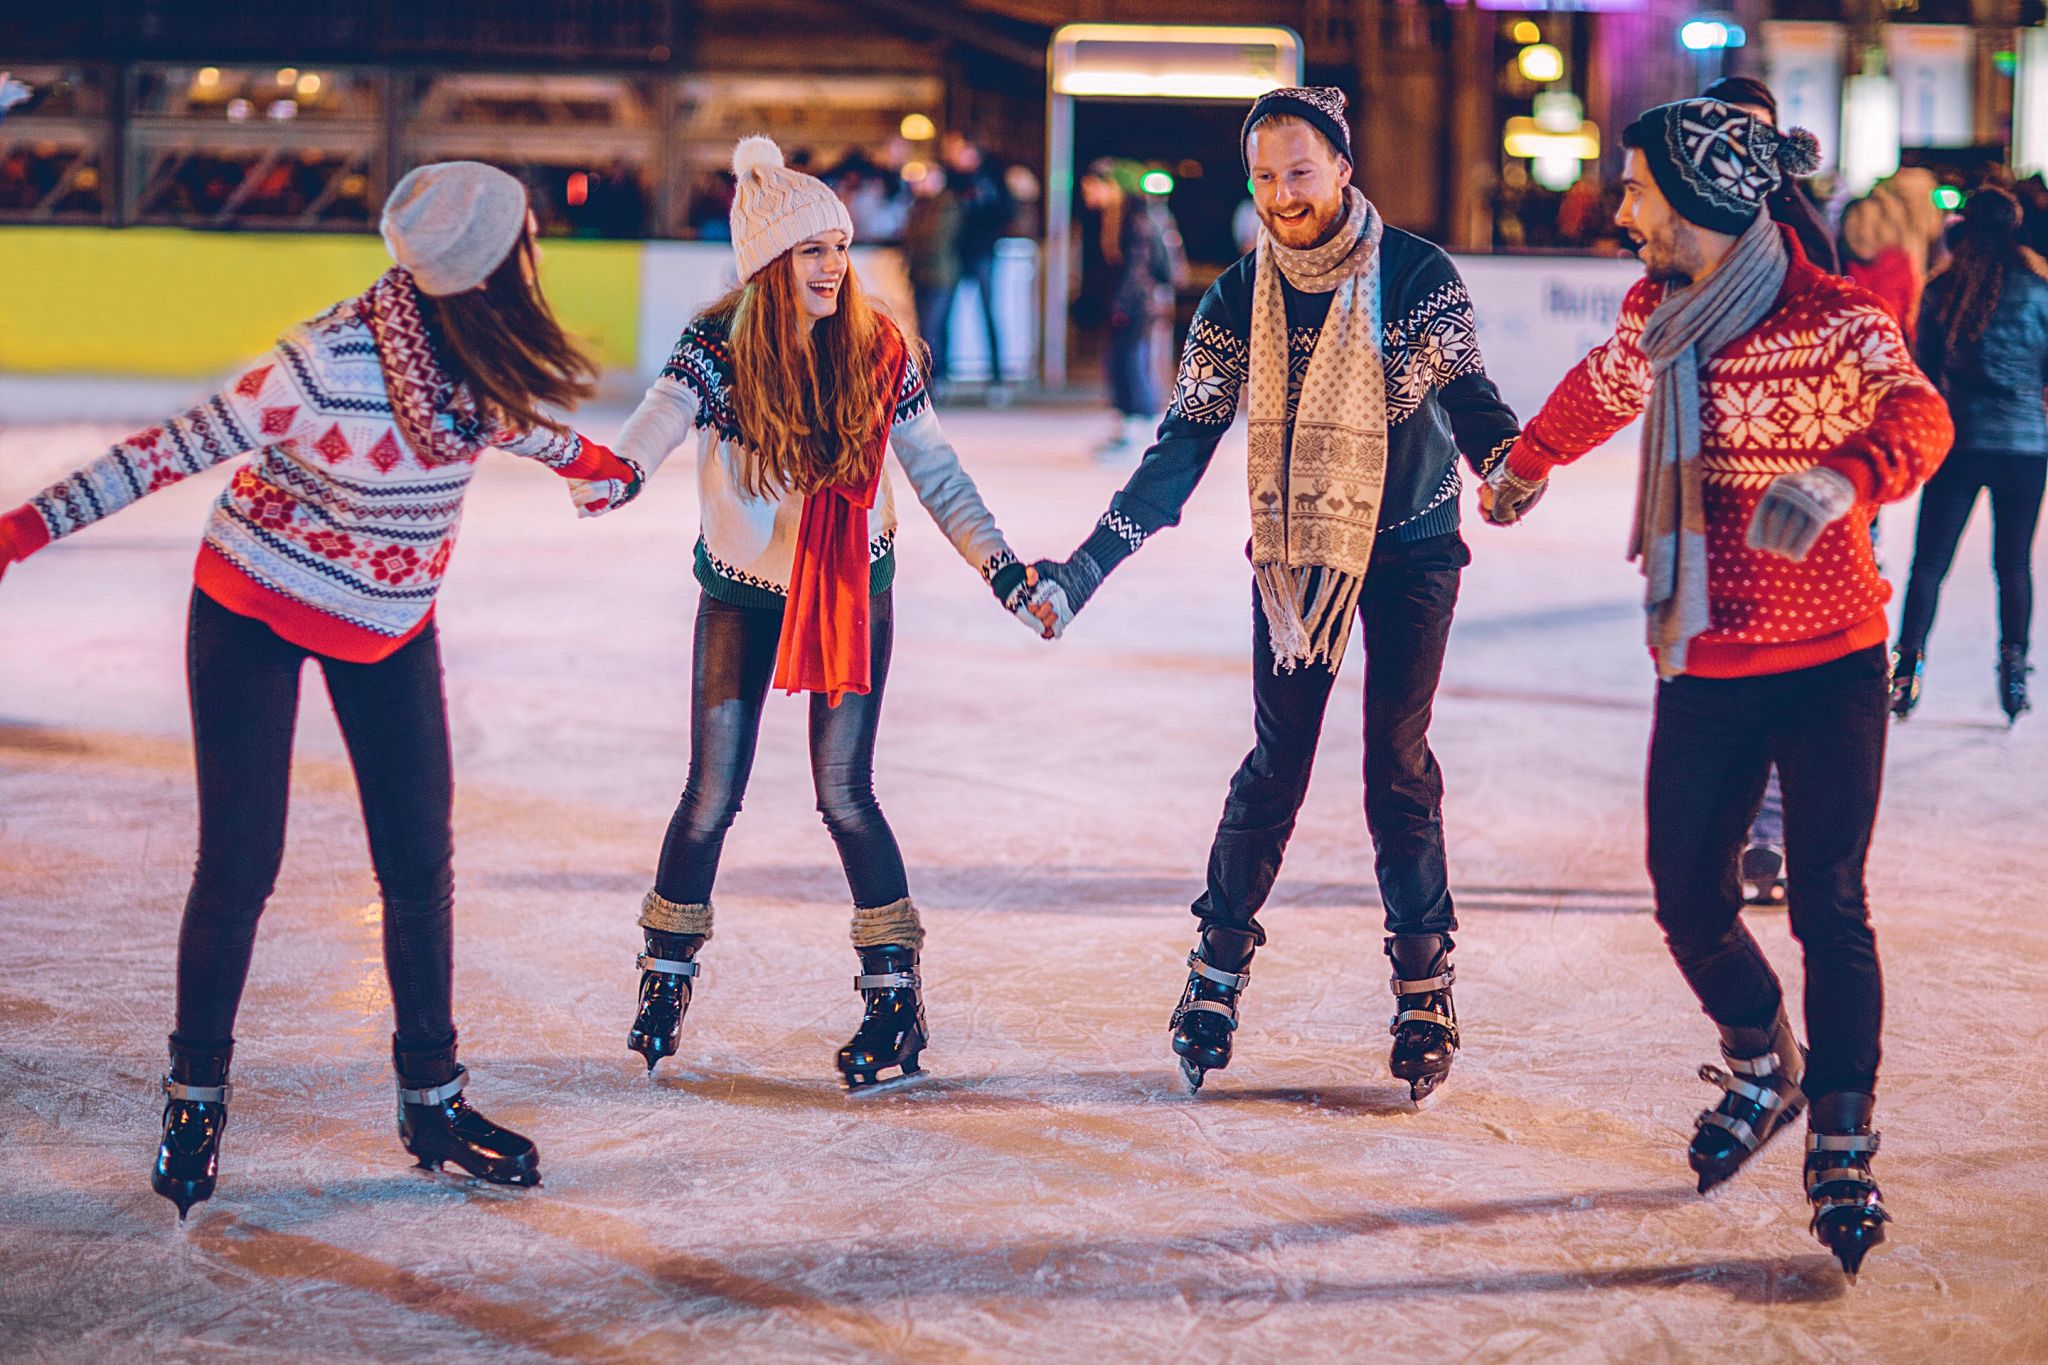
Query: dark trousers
pixel 1405 615
pixel 1713 743
pixel 245 701
pixel 1127 354
pixel 2015 483
pixel 935 322
pixel 733 665
pixel 979 273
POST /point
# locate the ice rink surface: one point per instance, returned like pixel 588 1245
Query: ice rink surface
pixel 1052 1191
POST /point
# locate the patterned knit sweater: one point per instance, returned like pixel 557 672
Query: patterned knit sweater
pixel 337 533
pixel 747 544
pixel 1824 379
pixel 1439 401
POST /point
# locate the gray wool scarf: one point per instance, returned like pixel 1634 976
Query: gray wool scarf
pixel 1688 327
pixel 1316 481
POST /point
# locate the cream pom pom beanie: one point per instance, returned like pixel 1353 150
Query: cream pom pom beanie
pixel 774 207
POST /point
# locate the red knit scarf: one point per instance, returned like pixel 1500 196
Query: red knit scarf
pixel 824 645
pixel 420 390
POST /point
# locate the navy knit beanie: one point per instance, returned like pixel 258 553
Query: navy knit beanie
pixel 1321 107
pixel 1715 163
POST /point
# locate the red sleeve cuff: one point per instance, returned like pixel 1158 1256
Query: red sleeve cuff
pixel 1526 462
pixel 596 462
pixel 22 533
pixel 1857 471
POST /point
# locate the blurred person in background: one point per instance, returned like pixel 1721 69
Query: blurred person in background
pixel 364 427
pixel 1983 340
pixel 1131 262
pixel 931 253
pixel 986 210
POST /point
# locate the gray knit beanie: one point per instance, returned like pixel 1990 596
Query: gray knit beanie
pixel 453 222
pixel 774 207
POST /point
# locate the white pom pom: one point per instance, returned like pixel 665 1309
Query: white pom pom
pixel 755 155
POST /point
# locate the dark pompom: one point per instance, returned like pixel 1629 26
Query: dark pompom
pixel 1798 152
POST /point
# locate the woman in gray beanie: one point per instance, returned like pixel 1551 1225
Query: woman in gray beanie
pixel 799 387
pixel 363 426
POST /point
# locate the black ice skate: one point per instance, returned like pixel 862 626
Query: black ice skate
pixel 892 1032
pixel 436 1124
pixel 1757 1101
pixel 1219 969
pixel 188 1158
pixel 668 971
pixel 1848 1212
pixel 1763 875
pixel 1425 1022
pixel 1909 667
pixel 2012 682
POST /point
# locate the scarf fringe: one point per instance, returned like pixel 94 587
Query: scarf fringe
pixel 1306 629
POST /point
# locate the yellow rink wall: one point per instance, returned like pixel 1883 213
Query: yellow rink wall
pixel 168 303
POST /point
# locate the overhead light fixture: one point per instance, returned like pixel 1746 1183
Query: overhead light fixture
pixel 1527 32
pixel 1527 138
pixel 1541 63
pixel 1156 182
pixel 917 128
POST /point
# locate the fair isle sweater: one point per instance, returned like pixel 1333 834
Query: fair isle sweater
pixel 1440 404
pixel 336 534
pixel 1825 378
pixel 747 544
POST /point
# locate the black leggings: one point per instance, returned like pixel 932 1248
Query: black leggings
pixel 394 719
pixel 2015 483
pixel 733 665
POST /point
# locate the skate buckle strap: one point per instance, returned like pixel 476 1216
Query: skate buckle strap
pixel 667 966
pixel 1755 1094
pixel 1421 1017
pixel 1211 1007
pixel 1440 982
pixel 439 1094
pixel 886 981
pixel 1744 1134
pixel 197 1094
pixel 1234 981
pixel 1842 1142
pixel 1766 1065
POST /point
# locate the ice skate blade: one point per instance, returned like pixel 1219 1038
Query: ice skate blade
pixel 861 1085
pixel 1424 1094
pixel 1192 1074
pixel 651 1047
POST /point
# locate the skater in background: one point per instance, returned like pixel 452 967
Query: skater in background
pixel 986 207
pixel 1765 613
pixel 1984 344
pixel 1354 349
pixel 931 252
pixel 1131 263
pixel 330 544
pixel 800 386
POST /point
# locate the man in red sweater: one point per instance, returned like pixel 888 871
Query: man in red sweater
pixel 1781 406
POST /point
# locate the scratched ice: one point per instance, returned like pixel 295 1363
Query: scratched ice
pixel 1052 1190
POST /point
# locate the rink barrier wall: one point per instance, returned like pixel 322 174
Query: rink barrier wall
pixel 165 303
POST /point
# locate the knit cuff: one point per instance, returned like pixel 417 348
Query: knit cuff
pixel 596 462
pixel 1526 462
pixel 22 532
pixel 1115 538
pixel 1851 465
pixel 883 925
pixel 666 917
pixel 1006 579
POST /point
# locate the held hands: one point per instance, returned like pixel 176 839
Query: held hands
pixel 1796 508
pixel 595 497
pixel 1023 595
pixel 1506 497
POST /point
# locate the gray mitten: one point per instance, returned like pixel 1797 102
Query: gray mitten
pixel 1796 508
pixel 1513 495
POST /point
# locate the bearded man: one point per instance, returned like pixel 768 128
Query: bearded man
pixel 1781 406
pixel 1356 347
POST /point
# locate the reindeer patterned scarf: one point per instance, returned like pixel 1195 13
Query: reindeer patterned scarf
pixel 1316 488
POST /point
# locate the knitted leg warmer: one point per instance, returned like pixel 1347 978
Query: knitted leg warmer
pixel 896 922
pixel 666 917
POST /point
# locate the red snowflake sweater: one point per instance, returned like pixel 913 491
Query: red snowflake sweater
pixel 1825 378
pixel 337 533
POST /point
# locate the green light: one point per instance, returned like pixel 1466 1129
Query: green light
pixel 1948 198
pixel 1156 182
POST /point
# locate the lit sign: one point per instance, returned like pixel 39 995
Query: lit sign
pixel 1173 61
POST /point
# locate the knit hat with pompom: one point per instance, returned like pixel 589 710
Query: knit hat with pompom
pixel 1715 163
pixel 774 207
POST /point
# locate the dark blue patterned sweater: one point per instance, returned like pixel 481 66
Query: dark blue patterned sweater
pixel 1439 401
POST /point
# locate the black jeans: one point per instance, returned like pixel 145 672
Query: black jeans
pixel 980 272
pixel 733 665
pixel 1405 613
pixel 1713 742
pixel 1127 355
pixel 245 700
pixel 2015 483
